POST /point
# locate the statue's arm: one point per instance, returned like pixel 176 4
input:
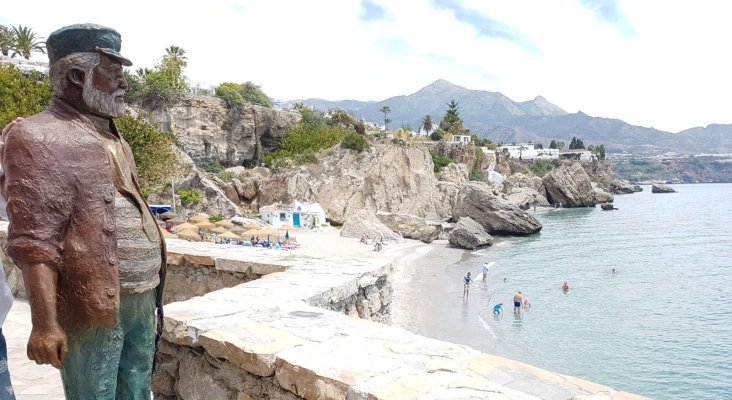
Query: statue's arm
pixel 39 204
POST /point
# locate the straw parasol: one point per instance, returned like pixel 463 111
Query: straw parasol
pixel 229 235
pixel 205 225
pixel 219 230
pixel 269 231
pixel 168 215
pixel 176 221
pixel 225 223
pixel 189 235
pixel 197 218
pixel 237 229
pixel 251 232
pixel 168 235
pixel 252 226
pixel 185 227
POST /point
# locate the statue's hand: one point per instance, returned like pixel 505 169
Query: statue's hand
pixel 48 345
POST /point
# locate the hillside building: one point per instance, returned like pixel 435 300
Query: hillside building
pixel 298 215
pixel 527 151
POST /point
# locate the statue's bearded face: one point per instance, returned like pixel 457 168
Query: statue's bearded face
pixel 104 89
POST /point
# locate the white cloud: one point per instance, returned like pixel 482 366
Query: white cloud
pixel 672 72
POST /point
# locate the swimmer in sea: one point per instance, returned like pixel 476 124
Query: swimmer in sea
pixel 527 304
pixel 498 309
pixel 565 287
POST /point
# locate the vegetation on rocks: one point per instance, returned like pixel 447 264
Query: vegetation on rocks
pixel 541 167
pixel 189 197
pixel 354 141
pixel 161 86
pixel 235 94
pixel 21 95
pixel 441 162
pixel 154 151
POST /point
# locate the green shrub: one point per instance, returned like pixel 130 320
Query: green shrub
pixel 237 94
pixel 476 175
pixel 216 218
pixel 229 92
pixel 441 162
pixel 212 165
pixel 436 135
pixel 542 167
pixel 398 142
pixel 307 157
pixel 227 176
pixel 154 151
pixel 21 95
pixel 354 141
pixel 189 197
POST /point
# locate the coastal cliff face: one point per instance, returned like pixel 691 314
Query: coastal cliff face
pixel 206 129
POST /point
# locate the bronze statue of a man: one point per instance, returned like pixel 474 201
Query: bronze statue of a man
pixel 92 256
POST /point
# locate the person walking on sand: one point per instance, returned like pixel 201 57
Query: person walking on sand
pixel 467 280
pixel 518 300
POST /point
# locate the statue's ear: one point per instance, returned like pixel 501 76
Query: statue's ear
pixel 76 77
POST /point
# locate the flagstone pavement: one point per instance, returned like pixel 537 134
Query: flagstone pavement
pixel 30 381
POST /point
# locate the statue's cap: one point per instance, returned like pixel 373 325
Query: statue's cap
pixel 85 38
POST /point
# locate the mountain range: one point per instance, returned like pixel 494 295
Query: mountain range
pixel 494 116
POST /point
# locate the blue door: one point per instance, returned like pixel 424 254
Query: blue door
pixel 296 220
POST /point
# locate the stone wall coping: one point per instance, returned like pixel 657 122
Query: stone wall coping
pixel 271 327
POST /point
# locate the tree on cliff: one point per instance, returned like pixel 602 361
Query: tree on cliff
pixel 386 110
pixel 237 94
pixel 576 144
pixel 6 40
pixel 452 123
pixel 21 95
pixel 174 61
pixel 161 86
pixel 556 144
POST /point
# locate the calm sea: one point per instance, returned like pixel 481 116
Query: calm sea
pixel 661 326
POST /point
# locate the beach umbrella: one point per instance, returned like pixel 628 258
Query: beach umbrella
pixel 251 232
pixel 168 215
pixel 219 230
pixel 225 223
pixel 205 225
pixel 168 235
pixel 237 229
pixel 269 231
pixel 175 221
pixel 229 235
pixel 252 226
pixel 197 218
pixel 202 215
pixel 185 227
pixel 189 235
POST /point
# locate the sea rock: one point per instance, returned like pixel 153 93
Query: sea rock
pixel 469 234
pixel 607 206
pixel 601 196
pixel 519 181
pixel 525 198
pixel 207 129
pixel 454 172
pixel 618 186
pixel 411 226
pixel 660 188
pixel 569 185
pixel 496 215
pixel 364 222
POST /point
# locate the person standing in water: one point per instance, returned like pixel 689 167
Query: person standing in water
pixel 467 280
pixel 518 300
pixel 498 309
pixel 486 267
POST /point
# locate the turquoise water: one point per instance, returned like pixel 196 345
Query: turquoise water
pixel 661 326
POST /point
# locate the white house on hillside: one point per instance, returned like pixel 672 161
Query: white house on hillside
pixel 527 151
pixel 464 139
pixel 580 154
pixel 298 215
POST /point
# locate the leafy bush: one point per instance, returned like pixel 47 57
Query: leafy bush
pixel 398 142
pixel 216 218
pixel 212 165
pixel 227 176
pixel 189 197
pixel 542 167
pixel 238 94
pixel 154 151
pixel 436 135
pixel 21 95
pixel 476 175
pixel 441 162
pixel 155 89
pixel 307 157
pixel 303 139
pixel 354 141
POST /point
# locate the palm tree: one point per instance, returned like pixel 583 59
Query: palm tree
pixel 174 61
pixel 386 110
pixel 25 42
pixel 142 73
pixel 6 40
pixel 427 124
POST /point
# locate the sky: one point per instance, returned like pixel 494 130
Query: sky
pixel 656 63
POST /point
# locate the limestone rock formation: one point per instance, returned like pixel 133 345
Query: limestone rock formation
pixel 601 196
pixel 519 180
pixel 207 129
pixel 618 186
pixel 607 206
pixel 469 234
pixel 364 222
pixel 569 185
pixel 213 197
pixel 454 172
pixel 660 188
pixel 459 153
pixel 526 198
pixel 411 226
pixel 496 215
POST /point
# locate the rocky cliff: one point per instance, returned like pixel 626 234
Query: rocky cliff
pixel 207 129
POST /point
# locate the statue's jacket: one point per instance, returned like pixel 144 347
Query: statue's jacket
pixel 59 186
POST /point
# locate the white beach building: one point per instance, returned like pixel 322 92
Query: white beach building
pixel 298 215
pixel 527 151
